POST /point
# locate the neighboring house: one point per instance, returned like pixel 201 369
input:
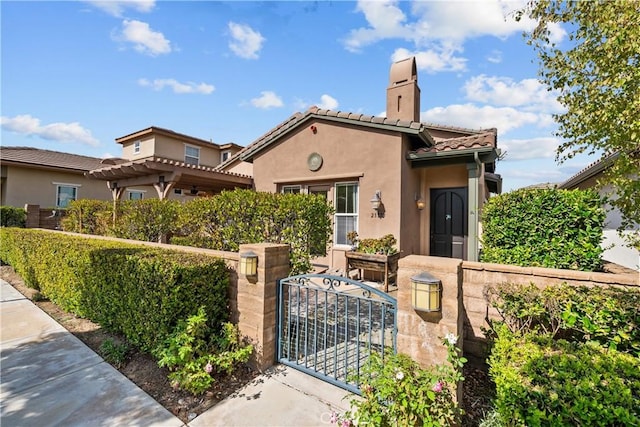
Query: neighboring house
pixel 47 178
pixel 423 183
pixel 616 250
pixel 170 164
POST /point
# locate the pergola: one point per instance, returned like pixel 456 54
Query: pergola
pixel 165 175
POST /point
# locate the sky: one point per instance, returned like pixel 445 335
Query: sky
pixel 76 75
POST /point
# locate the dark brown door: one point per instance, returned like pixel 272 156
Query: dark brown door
pixel 448 222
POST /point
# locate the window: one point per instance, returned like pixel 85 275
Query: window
pixel 291 189
pixel 65 193
pixel 346 217
pixel 136 147
pixel 224 156
pixel 136 195
pixel 191 155
pixel 177 191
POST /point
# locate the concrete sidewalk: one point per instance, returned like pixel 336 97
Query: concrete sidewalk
pixel 48 377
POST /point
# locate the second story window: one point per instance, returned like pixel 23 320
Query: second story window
pixel 224 156
pixel 136 147
pixel 191 155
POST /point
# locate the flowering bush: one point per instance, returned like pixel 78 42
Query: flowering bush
pixel 396 391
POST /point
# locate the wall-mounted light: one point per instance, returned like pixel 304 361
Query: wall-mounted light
pixel 420 203
pixel 249 263
pixel 376 200
pixel 313 128
pixel 194 190
pixel 426 292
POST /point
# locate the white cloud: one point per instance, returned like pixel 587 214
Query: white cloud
pixel 474 117
pixel 495 56
pixel 528 93
pixel 116 7
pixel 531 148
pixel 144 39
pixel 327 102
pixel 177 87
pixel 433 60
pixel 62 132
pixel 246 42
pixel 266 100
pixel 534 175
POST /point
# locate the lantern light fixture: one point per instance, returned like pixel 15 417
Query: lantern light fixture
pixel 376 200
pixel 249 264
pixel 426 293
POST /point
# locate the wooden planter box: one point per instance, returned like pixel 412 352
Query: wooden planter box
pixel 387 264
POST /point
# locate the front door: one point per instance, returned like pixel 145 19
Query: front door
pixel 448 222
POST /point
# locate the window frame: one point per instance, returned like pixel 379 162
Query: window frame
pixel 188 156
pixel 337 214
pixel 136 147
pixel 132 192
pixel 61 185
pixel 284 189
pixel 225 155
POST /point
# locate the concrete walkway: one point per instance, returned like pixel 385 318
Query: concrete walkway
pixel 48 377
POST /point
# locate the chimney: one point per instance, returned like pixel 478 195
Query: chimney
pixel 403 93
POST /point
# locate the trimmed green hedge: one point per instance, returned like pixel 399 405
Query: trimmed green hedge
pixel 12 217
pixel 545 228
pixel 541 381
pixel 137 291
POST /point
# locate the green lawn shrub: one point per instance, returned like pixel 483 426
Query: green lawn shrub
pixel 231 218
pixel 545 228
pixel 12 217
pixel 542 381
pixel 566 355
pixel 137 291
pixel 89 216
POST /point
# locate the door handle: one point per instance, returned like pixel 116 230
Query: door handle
pixel 447 217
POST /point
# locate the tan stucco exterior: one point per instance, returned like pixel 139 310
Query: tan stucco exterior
pixel 22 185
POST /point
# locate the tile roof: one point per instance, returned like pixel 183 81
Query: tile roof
pixel 47 158
pixel 167 132
pixel 590 171
pixel 488 138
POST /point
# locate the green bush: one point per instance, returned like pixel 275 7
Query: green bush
pixel 89 217
pixel 544 227
pixel 385 245
pixel 541 381
pixel 12 217
pixel 229 219
pixel 137 291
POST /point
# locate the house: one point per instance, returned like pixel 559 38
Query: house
pixel 47 178
pixel 171 164
pixel 616 250
pixel 423 183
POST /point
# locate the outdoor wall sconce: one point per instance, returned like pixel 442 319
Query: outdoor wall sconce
pixel 313 128
pixel 376 201
pixel 194 190
pixel 249 264
pixel 420 203
pixel 426 293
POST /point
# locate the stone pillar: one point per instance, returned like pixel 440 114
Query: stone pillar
pixel 33 216
pixel 256 301
pixel 420 334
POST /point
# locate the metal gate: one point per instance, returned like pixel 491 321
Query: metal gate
pixel 328 325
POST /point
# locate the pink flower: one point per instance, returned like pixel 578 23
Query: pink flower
pixel 208 368
pixel 346 423
pixel 437 387
pixel 334 418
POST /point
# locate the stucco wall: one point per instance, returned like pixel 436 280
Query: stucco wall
pixel 36 186
pixel 172 148
pixel 147 148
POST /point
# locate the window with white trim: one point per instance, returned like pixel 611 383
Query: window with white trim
pixel 135 195
pixel 291 189
pixel 191 155
pixel 346 216
pixel 65 194
pixel 136 147
pixel 224 156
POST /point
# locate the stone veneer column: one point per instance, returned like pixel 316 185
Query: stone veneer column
pixel 420 334
pixel 256 301
pixel 33 216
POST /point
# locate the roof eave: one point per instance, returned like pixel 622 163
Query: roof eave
pixel 485 155
pixel 590 172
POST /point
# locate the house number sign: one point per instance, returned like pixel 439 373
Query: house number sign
pixel 314 161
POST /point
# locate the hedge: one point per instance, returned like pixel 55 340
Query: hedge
pixel 545 228
pixel 137 291
pixel 12 217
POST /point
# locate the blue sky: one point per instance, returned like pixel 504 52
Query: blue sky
pixel 78 74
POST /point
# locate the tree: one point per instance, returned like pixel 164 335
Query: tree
pixel 598 78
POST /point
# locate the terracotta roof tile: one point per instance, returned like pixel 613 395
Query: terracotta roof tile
pixel 55 159
pixel 482 140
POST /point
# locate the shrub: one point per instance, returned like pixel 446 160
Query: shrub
pixel 89 217
pixel 12 217
pixel 396 391
pixel 385 245
pixel 231 218
pixel 113 352
pixel 541 381
pixel 192 353
pixel 544 227
pixel 148 219
pixel 137 291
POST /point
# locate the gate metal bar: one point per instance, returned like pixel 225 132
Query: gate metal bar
pixel 330 336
